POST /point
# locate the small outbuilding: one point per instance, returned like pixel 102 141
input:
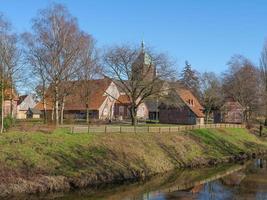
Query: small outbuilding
pixel 24 103
pixel 33 113
pixel 230 112
pixel 184 109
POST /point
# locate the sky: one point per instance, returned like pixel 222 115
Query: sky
pixel 207 33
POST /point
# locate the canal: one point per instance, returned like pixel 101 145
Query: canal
pixel 239 181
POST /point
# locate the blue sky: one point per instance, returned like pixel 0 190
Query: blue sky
pixel 206 33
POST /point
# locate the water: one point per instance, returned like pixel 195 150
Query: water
pixel 246 181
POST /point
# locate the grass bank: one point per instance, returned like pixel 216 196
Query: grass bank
pixel 39 162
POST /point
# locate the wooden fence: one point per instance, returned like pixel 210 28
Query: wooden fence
pixel 147 129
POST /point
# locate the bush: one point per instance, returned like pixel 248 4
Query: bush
pixel 8 122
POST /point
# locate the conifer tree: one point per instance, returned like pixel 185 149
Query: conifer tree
pixel 190 79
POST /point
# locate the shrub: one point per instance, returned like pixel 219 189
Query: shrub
pixel 8 122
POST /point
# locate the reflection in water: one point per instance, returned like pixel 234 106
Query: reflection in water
pixel 248 181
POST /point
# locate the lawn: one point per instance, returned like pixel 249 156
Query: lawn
pixel 63 153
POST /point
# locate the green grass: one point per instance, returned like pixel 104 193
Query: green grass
pixel 55 153
pixel 221 142
pixel 118 154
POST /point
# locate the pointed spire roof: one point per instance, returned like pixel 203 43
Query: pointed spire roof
pixel 143 57
pixel 143 46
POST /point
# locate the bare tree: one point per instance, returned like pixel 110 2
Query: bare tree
pixel 9 56
pixel 140 75
pixel 211 92
pixel 13 69
pixel 34 57
pixel 57 43
pixel 90 69
pixel 241 82
pixel 263 72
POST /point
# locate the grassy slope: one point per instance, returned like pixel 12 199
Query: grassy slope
pixel 90 158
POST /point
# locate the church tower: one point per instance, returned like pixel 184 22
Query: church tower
pixel 143 68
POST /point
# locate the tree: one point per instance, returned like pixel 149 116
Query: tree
pixel 190 79
pixel 55 48
pixel 90 68
pixel 138 74
pixel 9 57
pixel 241 82
pixel 211 92
pixel 33 55
pixel 263 72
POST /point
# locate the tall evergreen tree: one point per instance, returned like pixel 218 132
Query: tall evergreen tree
pixel 190 79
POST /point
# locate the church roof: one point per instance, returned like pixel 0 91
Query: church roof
pixel 144 58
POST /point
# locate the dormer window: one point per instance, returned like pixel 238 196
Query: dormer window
pixel 191 102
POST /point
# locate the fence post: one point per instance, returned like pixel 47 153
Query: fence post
pixel 159 129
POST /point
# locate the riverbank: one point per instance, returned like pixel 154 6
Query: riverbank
pixel 39 162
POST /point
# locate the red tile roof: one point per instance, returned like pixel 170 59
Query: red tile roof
pixel 75 100
pixel 186 95
pixel 40 105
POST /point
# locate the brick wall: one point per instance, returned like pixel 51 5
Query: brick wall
pixel 182 115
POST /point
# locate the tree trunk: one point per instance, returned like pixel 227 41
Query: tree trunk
pixel 52 114
pixel 87 114
pixel 207 113
pixel 247 117
pixel 45 114
pixel 56 106
pixel 11 100
pixel 44 104
pixel 2 105
pixel 62 110
pixel 265 122
pixel 134 116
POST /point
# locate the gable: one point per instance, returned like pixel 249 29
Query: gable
pixel 232 106
pixel 25 102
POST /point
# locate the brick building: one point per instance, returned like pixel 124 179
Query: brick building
pixel 185 109
pixel 230 112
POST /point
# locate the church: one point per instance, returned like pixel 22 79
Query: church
pixel 110 100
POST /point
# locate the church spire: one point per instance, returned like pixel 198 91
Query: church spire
pixel 143 46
